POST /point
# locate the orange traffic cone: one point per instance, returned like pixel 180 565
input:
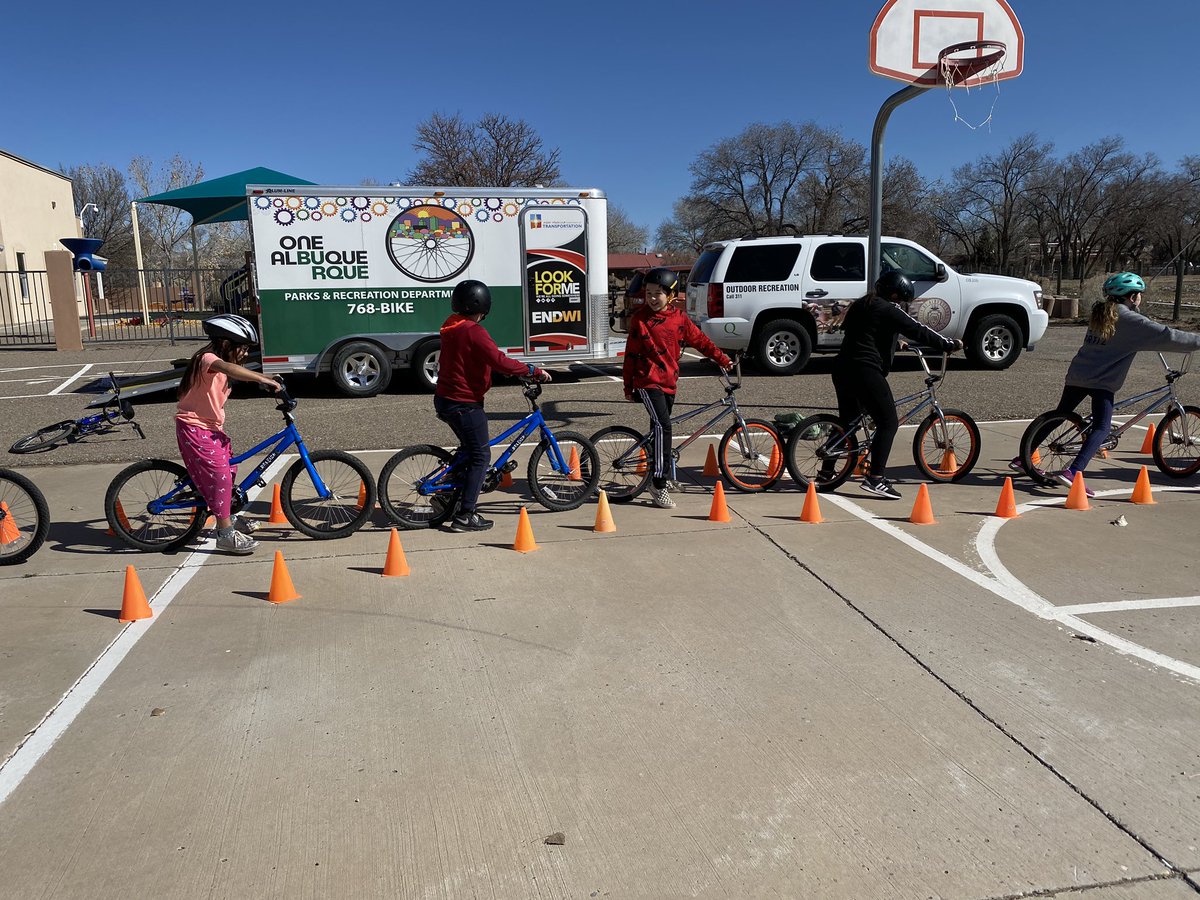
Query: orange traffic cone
pixel 1078 499
pixel 641 466
pixel 1007 507
pixel 1148 443
pixel 812 509
pixel 133 601
pixel 506 480
pixel 277 516
pixel 362 494
pixel 776 463
pixel 573 466
pixel 1141 490
pixel 282 590
pixel 711 469
pixel 9 532
pixel 396 565
pixel 120 511
pixel 719 512
pixel 949 463
pixel 922 511
pixel 1104 454
pixel 604 519
pixel 861 467
pixel 525 542
pixel 1036 458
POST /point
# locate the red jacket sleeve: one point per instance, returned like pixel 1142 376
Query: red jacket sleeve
pixel 488 350
pixel 694 337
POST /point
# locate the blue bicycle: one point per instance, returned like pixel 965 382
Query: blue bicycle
pixel 117 411
pixel 420 486
pixel 153 504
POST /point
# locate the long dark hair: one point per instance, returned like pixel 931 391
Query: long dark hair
pixel 226 350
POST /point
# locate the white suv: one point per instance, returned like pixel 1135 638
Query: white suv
pixel 780 298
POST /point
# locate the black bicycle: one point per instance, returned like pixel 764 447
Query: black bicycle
pixel 24 518
pixel 115 413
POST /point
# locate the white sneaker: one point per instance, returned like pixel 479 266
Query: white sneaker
pixel 661 498
pixel 233 541
pixel 245 526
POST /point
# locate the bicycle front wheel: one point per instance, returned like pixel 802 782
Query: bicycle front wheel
pixel 341 513
pixel 947 453
pixel 752 458
pixel 561 490
pixel 24 518
pixel 1050 444
pixel 1176 444
pixel 130 495
pixel 820 452
pixel 45 438
pixel 399 492
pixel 624 466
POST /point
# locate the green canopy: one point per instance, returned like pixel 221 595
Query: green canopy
pixel 220 199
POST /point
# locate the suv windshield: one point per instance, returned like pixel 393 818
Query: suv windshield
pixel 765 262
pixel 702 270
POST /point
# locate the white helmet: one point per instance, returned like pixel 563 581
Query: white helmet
pixel 231 328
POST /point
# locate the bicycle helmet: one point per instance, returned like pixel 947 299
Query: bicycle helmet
pixel 471 297
pixel 664 278
pixel 1121 285
pixel 231 328
pixel 893 286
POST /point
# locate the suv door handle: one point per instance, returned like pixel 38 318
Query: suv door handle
pixel 816 295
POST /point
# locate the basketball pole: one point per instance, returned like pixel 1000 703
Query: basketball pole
pixel 875 230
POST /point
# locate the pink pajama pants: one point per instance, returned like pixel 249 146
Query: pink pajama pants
pixel 206 457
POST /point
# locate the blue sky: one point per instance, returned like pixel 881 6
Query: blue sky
pixel 630 92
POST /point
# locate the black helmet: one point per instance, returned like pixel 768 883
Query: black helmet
pixel 893 286
pixel 231 328
pixel 664 278
pixel 471 297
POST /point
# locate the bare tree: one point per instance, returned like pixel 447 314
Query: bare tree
pixel 104 186
pixel 623 235
pixel 830 196
pixel 694 225
pixel 164 228
pixel 496 151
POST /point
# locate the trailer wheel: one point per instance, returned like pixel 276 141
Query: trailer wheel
pixel 361 369
pixel 425 364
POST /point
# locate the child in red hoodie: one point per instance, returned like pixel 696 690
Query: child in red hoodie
pixel 658 332
pixel 468 356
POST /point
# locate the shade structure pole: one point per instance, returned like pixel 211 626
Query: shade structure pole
pixel 137 251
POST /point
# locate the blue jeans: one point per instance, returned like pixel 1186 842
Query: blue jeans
pixel 1102 412
pixel 469 423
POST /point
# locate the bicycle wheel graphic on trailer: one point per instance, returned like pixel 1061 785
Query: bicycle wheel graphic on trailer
pixel 430 243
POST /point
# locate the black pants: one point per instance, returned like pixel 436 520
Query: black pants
pixel 469 423
pixel 862 389
pixel 659 404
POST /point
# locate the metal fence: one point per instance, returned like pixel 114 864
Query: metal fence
pixel 26 319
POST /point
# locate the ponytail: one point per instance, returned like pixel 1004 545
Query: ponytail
pixel 226 350
pixel 1103 323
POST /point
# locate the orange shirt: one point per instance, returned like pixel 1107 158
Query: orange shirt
pixel 204 404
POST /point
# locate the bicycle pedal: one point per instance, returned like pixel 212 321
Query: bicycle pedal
pixel 260 483
pixel 510 466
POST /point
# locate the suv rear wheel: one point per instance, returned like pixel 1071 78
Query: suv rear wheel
pixel 995 342
pixel 782 347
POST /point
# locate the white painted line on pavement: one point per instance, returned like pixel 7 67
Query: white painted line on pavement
pixel 58 390
pixel 37 743
pixel 1086 609
pixel 584 365
pixel 123 362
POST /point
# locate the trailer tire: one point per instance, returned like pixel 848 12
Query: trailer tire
pixel 425 364
pixel 361 369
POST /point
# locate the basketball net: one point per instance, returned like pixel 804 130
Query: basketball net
pixel 950 69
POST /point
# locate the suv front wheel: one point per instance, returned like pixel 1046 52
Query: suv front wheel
pixel 996 342
pixel 782 347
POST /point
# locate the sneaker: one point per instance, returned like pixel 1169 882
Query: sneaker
pixel 233 541
pixel 880 487
pixel 245 526
pixel 1015 465
pixel 471 521
pixel 1067 477
pixel 661 498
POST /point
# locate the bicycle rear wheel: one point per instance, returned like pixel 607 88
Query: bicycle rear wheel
pixel 399 494
pixel 45 438
pixel 340 514
pixel 562 490
pixel 1056 438
pixel 751 460
pixel 128 499
pixel 625 481
pixel 947 454
pixel 820 452
pixel 1176 444
pixel 24 518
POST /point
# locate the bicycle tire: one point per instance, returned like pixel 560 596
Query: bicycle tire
pixel 340 514
pixel 561 491
pixel 1057 437
pixel 135 525
pixel 1177 438
pixel 621 484
pixel 756 468
pixel 805 456
pixel 398 494
pixel 23 502
pixel 941 458
pixel 45 438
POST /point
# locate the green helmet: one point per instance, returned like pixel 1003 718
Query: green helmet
pixel 1123 284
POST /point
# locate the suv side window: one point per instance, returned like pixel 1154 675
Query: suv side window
pixel 766 262
pixel 839 261
pixel 912 263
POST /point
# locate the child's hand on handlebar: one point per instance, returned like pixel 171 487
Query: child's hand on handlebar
pixel 543 376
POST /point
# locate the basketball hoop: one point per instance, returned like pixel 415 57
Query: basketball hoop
pixel 970 64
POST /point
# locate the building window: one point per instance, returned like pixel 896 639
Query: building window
pixel 23 277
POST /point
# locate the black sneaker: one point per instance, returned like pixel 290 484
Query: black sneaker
pixel 880 487
pixel 470 522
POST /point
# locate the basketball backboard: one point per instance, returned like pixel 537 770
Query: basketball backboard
pixel 909 37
